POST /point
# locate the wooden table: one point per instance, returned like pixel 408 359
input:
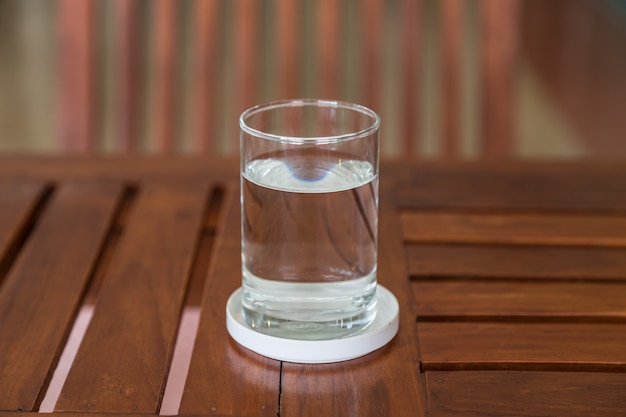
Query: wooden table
pixel 511 280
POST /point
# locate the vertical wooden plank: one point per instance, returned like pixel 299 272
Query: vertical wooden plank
pixel 327 45
pixel 43 290
pixel 451 34
pixel 411 27
pixel 123 361
pixel 205 82
pixel 245 22
pixel 75 71
pixel 371 41
pixel 500 21
pixel 126 74
pixel 387 382
pixel 287 47
pixel 164 66
pixel 225 378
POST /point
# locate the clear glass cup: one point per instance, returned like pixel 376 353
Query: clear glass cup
pixel 309 218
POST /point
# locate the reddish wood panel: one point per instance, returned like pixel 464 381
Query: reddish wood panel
pixel 520 187
pixel 127 73
pixel 74 23
pixel 129 169
pixel 472 300
pixel 42 292
pixel 515 346
pixel 164 64
pixel 225 378
pixel 451 68
pixel 488 261
pixel 532 394
pixel 410 41
pixel 385 383
pixel 288 44
pixel 328 48
pixel 499 47
pixel 205 66
pixel 514 228
pixel 123 361
pixel 246 43
pixel 371 43
pixel 17 204
pixel 576 48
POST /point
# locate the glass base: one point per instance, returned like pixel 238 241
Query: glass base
pixel 310 330
pixel 358 343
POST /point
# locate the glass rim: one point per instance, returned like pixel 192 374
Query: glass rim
pixel 357 134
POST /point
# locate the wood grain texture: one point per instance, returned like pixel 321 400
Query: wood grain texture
pixel 520 301
pixel 525 187
pixel 123 361
pixel 514 228
pixel 364 386
pixel 17 206
pixel 517 262
pixel 225 378
pixel 42 292
pixel 531 394
pixel 515 346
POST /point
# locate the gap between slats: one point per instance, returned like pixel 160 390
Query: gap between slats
pixel 188 324
pixel 85 313
pixel 514 228
pixel 19 239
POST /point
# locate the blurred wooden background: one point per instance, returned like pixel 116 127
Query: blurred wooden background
pixel 570 83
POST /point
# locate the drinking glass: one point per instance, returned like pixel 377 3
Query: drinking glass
pixel 309 218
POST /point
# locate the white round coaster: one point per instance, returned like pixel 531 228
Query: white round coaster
pixel 375 336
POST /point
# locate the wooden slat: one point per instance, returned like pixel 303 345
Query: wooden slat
pixel 131 169
pixel 410 40
pixel 528 346
pixel 122 363
pixel 531 394
pixel 372 34
pixel 75 70
pixel 451 34
pixel 245 24
pixel 385 383
pixel 486 261
pixel 205 39
pixel 224 378
pixel 327 44
pixel 287 41
pixel 500 22
pixel 164 65
pixel 560 187
pixel 458 300
pixel 514 228
pixel 17 203
pixel 127 71
pixel 43 290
